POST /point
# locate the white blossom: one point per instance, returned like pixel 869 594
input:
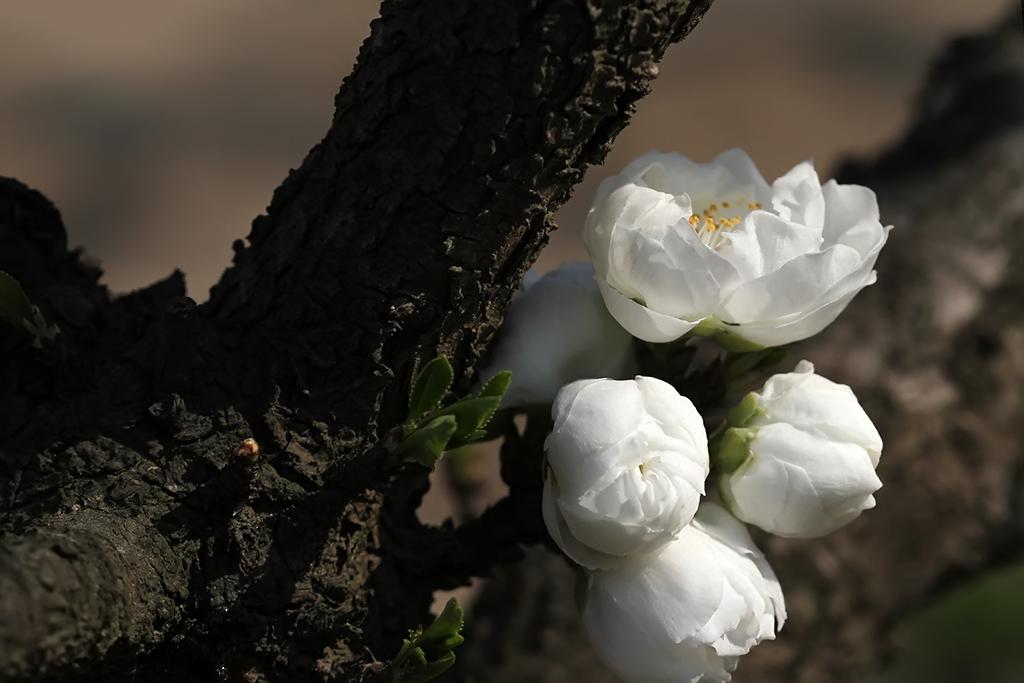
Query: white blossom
pixel 681 246
pixel 556 331
pixel 627 462
pixel 689 612
pixel 800 457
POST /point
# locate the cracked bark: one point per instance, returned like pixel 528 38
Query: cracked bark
pixel 935 351
pixel 133 542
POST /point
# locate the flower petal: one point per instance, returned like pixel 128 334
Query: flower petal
pixel 764 242
pixel 797 196
pixel 642 322
pixel 847 206
pixel 579 553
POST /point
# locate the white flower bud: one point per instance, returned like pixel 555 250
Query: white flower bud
pixel 627 463
pixel 681 246
pixel 557 331
pixel 687 613
pixel 800 458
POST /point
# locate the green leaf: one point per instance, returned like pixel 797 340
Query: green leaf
pixel 472 415
pixel 15 306
pixel 448 622
pixel 430 386
pixel 428 443
pixel 427 654
pixel 17 310
pixel 431 670
pixel 497 385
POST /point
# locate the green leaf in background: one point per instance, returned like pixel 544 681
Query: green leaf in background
pixel 432 383
pixel 427 444
pixel 15 306
pixel 426 654
pixel 17 310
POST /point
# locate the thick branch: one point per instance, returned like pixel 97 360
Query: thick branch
pixel 463 126
pixel 91 582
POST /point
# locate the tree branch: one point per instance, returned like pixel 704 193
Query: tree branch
pixel 405 231
pixel 403 234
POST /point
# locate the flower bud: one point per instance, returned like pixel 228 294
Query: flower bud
pixel 799 458
pixel 687 613
pixel 627 462
pixel 557 331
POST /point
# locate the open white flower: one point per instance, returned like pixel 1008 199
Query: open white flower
pixel 688 613
pixel 799 459
pixel 679 245
pixel 556 331
pixel 627 463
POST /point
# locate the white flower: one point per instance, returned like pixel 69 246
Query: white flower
pixel 800 458
pixel 556 331
pixel 679 245
pixel 627 463
pixel 688 613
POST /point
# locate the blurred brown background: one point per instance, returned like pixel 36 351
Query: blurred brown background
pixel 161 129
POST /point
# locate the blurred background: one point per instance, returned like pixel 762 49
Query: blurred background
pixel 161 129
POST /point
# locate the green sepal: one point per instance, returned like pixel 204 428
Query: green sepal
pixel 740 364
pixel 427 444
pixel 744 411
pixel 734 343
pixel 724 336
pixel 731 449
pixel 432 383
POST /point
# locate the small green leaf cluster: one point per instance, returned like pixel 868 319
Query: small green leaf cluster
pixel 427 653
pixel 17 310
pixel 432 427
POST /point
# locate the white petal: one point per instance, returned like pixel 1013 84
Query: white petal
pixel 676 414
pixel 823 484
pixel 797 196
pixel 642 322
pixel 578 552
pixel 813 403
pixel 625 210
pixel 845 207
pixel 763 243
pixel 792 289
pixel 687 612
pixel 591 416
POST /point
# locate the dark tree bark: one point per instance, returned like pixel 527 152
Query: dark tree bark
pixel 935 351
pixel 134 542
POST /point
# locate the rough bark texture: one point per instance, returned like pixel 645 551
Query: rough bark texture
pixel 935 351
pixel 134 542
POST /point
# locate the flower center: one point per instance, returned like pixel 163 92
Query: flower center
pixel 713 222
